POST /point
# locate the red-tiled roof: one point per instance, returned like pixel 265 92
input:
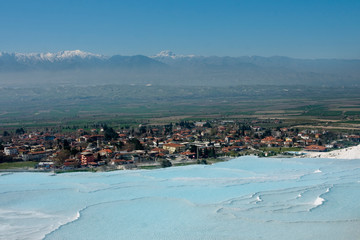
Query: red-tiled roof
pixel 106 150
pixel 315 148
pixel 187 153
pixel 269 138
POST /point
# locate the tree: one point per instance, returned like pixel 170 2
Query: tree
pixel 142 129
pixel 20 131
pixel 193 148
pixel 212 153
pixel 267 133
pixel 206 152
pixel 74 151
pixel 168 128
pixel 6 133
pixel 110 133
pixel 166 163
pixel 203 161
pixel 61 157
pixel 66 145
pixel 118 145
pixel 4 158
pixel 136 143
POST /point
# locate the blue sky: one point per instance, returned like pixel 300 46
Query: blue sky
pixel 294 28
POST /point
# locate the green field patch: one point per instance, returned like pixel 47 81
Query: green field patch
pixel 355 106
pixel 12 165
pixel 322 113
pixel 35 107
pixel 280 149
pixel 351 122
pixel 149 167
pixel 184 164
pixel 352 113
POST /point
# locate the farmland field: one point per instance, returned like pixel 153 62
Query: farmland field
pixel 127 104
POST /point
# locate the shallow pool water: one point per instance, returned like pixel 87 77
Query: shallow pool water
pixel 245 198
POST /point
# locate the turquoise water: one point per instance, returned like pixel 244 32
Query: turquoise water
pixel 245 198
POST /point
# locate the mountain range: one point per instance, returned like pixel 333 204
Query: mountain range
pixel 166 68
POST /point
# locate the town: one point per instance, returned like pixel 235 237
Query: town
pixel 100 147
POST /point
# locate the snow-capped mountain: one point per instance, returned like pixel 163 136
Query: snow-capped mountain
pixel 169 68
pixel 167 54
pixel 53 57
pixel 67 60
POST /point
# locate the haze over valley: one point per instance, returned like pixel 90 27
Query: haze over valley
pixel 78 68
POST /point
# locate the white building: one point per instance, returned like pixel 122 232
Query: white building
pixel 10 151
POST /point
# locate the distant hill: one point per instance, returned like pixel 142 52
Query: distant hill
pixel 166 68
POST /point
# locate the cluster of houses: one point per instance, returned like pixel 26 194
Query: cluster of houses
pixel 186 141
